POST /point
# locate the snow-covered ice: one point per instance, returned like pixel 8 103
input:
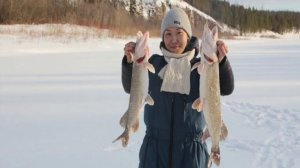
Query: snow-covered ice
pixel 60 104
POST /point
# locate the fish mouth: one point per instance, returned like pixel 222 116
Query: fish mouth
pixel 141 59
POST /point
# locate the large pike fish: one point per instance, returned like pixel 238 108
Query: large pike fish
pixel 139 88
pixel 209 100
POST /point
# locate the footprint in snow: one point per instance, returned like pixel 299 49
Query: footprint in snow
pixel 280 148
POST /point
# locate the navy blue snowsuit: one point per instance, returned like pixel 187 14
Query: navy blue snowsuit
pixel 173 128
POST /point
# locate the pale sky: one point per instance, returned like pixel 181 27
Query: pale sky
pixel 291 5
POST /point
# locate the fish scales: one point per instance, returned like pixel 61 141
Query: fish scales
pixel 138 90
pixel 212 103
pixel 209 102
pixel 138 93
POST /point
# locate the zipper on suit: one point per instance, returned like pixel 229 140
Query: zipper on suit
pixel 171 135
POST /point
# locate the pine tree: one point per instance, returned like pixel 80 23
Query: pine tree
pixel 132 7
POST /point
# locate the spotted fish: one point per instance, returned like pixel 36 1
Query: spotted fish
pixel 209 101
pixel 139 88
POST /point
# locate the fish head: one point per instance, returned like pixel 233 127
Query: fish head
pixel 208 48
pixel 141 53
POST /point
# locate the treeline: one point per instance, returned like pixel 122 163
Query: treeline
pixel 103 14
pixel 249 19
pixel 112 15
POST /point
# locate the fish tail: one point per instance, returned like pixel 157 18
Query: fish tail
pixel 124 137
pixel 209 162
pixel 215 156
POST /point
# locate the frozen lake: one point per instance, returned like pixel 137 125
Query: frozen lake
pixel 60 104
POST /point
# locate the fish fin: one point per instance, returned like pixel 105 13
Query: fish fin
pixel 195 65
pixel 205 135
pixel 124 119
pixel 199 66
pixel 224 132
pixel 197 105
pixel 209 162
pixel 200 69
pixel 124 137
pixel 215 155
pixel 136 125
pixel 150 67
pixel 149 100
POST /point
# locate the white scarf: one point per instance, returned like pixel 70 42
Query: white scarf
pixel 176 74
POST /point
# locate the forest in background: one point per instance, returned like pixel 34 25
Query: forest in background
pixel 113 15
pixel 102 14
pixel 249 19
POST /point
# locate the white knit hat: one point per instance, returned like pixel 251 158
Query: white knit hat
pixel 176 17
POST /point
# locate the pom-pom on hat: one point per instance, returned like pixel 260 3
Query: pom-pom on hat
pixel 176 17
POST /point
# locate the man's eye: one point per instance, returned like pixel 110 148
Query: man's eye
pixel 179 32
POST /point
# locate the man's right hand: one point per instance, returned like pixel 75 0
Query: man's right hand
pixel 129 50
